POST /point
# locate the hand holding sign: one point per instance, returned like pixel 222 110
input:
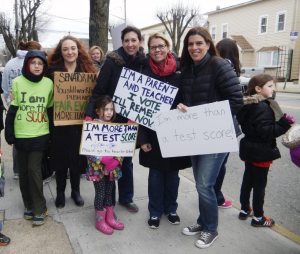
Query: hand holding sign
pixel 139 97
pixel 203 129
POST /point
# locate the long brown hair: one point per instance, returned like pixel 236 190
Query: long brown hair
pixel 258 80
pixel 84 61
pixel 185 56
pixel 228 49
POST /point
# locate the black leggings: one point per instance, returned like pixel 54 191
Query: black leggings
pixel 254 178
pixel 103 193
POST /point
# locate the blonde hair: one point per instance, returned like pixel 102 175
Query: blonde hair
pixel 96 47
pixel 158 36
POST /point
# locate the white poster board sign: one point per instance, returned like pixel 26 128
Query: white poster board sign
pixel 139 97
pixel 203 129
pixel 108 139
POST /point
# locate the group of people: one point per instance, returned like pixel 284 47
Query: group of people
pixel 204 74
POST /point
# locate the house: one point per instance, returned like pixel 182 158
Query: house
pixel 266 33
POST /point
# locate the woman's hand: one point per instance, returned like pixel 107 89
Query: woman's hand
pixel 146 147
pixel 183 108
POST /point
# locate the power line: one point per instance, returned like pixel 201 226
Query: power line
pixel 60 31
pixel 76 20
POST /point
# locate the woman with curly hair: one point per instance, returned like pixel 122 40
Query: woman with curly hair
pixel 68 56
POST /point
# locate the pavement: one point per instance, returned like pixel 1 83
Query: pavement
pixel 71 229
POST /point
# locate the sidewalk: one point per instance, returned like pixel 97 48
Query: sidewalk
pixel 71 229
pixel 288 87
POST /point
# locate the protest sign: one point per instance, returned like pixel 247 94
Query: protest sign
pixel 71 94
pixel 108 139
pixel 139 97
pixel 203 129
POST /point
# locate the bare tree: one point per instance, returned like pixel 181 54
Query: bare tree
pixel 25 13
pixel 176 19
pixel 98 27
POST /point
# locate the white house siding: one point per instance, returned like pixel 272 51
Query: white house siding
pixel 243 19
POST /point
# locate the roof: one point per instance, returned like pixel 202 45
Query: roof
pixel 218 10
pixel 272 48
pixel 242 42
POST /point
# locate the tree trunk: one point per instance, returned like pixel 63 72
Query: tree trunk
pixel 98 27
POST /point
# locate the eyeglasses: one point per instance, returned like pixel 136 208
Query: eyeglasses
pixel 159 47
pixel 37 63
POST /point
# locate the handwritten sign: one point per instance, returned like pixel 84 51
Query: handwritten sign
pixel 71 95
pixel 203 129
pixel 139 97
pixel 108 139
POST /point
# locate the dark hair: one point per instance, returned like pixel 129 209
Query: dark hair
pixel 129 29
pixel 29 45
pixel 203 32
pixel 84 60
pixel 258 80
pixel 228 49
pixel 102 101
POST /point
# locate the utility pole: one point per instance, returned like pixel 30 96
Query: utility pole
pixel 125 14
pixel 17 23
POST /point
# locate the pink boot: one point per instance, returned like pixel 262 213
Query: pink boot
pixel 111 220
pixel 101 224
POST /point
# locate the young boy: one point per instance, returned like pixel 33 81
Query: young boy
pixel 27 127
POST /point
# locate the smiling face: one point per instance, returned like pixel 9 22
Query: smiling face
pixel 158 50
pixel 36 66
pixel 197 47
pixel 96 55
pixel 69 51
pixel 131 43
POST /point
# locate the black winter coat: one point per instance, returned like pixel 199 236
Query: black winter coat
pixel 109 76
pixel 213 79
pixel 258 123
pixel 65 140
pixel 153 158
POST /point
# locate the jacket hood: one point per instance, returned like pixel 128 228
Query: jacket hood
pixel 242 115
pixel 21 53
pixel 121 58
pixel 256 98
pixel 25 70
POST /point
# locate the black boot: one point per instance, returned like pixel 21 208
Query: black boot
pixel 75 195
pixel 60 200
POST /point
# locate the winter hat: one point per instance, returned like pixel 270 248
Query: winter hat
pixel 28 58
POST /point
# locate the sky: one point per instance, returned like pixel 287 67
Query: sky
pixel 72 16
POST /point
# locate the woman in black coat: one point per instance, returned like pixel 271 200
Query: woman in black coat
pixel 206 78
pixel 163 179
pixel 68 56
pixel 130 57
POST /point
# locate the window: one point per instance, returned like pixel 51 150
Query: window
pixel 268 59
pixel 224 31
pixel 280 21
pixel 263 23
pixel 213 32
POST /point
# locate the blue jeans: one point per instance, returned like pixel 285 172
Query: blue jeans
pixel 206 169
pixel 125 183
pixel 162 192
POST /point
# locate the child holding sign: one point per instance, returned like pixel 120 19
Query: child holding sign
pixel 258 148
pixel 102 171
